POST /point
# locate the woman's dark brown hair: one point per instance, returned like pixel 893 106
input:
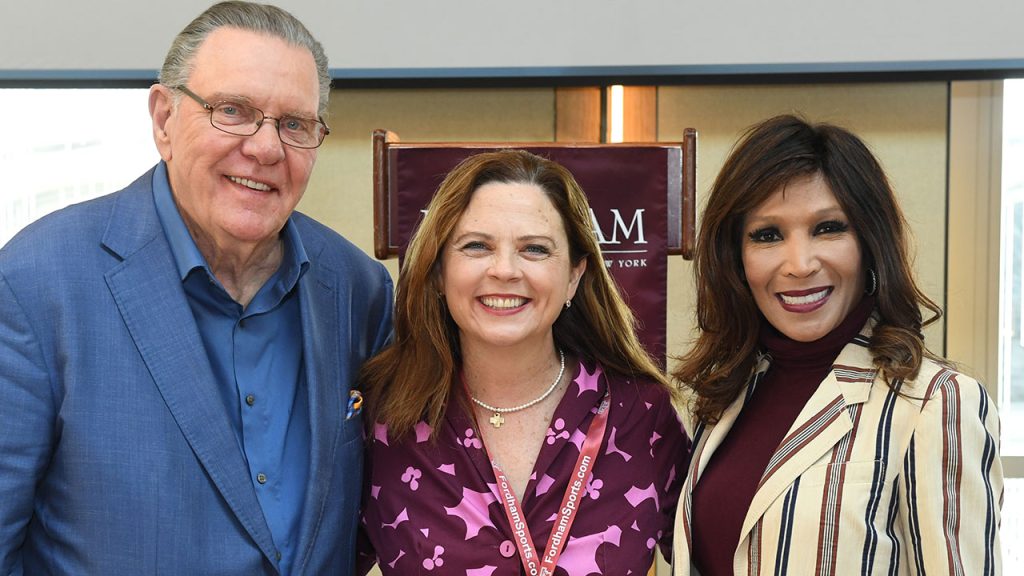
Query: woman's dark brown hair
pixel 769 156
pixel 412 379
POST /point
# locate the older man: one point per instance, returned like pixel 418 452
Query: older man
pixel 176 359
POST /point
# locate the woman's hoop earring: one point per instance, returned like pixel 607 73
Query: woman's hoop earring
pixel 872 283
pixel 568 304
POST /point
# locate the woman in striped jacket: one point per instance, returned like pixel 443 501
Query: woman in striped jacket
pixel 826 438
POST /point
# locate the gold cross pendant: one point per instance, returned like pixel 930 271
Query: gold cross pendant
pixel 497 420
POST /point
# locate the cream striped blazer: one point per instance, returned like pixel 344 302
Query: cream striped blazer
pixel 868 481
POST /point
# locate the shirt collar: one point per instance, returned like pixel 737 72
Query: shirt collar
pixel 187 256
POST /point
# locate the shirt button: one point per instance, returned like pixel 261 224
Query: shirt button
pixel 507 549
pixel 278 555
pixel 250 399
pixel 261 478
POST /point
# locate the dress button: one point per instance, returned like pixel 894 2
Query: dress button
pixel 250 399
pixel 261 478
pixel 507 549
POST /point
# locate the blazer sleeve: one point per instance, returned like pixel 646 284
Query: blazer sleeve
pixel 27 414
pixel 386 300
pixel 951 485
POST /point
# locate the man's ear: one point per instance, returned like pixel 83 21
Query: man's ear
pixel 161 107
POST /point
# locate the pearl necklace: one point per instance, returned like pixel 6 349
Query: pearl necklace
pixel 497 420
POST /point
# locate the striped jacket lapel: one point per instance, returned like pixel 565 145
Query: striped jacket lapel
pixel 706 439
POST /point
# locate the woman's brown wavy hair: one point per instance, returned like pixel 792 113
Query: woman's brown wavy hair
pixel 769 156
pixel 412 379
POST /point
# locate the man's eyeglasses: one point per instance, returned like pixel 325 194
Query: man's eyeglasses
pixel 244 120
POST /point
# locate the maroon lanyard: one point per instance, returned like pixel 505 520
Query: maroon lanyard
pixel 545 566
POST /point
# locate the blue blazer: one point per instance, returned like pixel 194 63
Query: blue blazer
pixel 116 454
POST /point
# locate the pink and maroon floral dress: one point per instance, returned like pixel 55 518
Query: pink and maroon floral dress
pixel 431 506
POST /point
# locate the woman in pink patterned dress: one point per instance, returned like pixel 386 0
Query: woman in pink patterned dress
pixel 519 426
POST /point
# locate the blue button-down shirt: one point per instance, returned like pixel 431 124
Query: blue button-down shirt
pixel 256 356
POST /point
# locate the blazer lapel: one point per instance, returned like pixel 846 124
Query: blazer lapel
pixel 321 336
pixel 707 439
pixel 713 436
pixel 152 303
pixel 824 421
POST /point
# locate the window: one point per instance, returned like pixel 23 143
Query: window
pixel 63 146
pixel 1011 322
pixel 1011 318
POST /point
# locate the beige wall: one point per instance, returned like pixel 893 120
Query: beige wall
pixel 904 124
pixel 975 182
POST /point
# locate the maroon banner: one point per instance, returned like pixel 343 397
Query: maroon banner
pixel 627 188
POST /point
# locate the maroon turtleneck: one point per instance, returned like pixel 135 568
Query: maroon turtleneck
pixel 723 494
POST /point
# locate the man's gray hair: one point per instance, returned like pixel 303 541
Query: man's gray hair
pixel 260 18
